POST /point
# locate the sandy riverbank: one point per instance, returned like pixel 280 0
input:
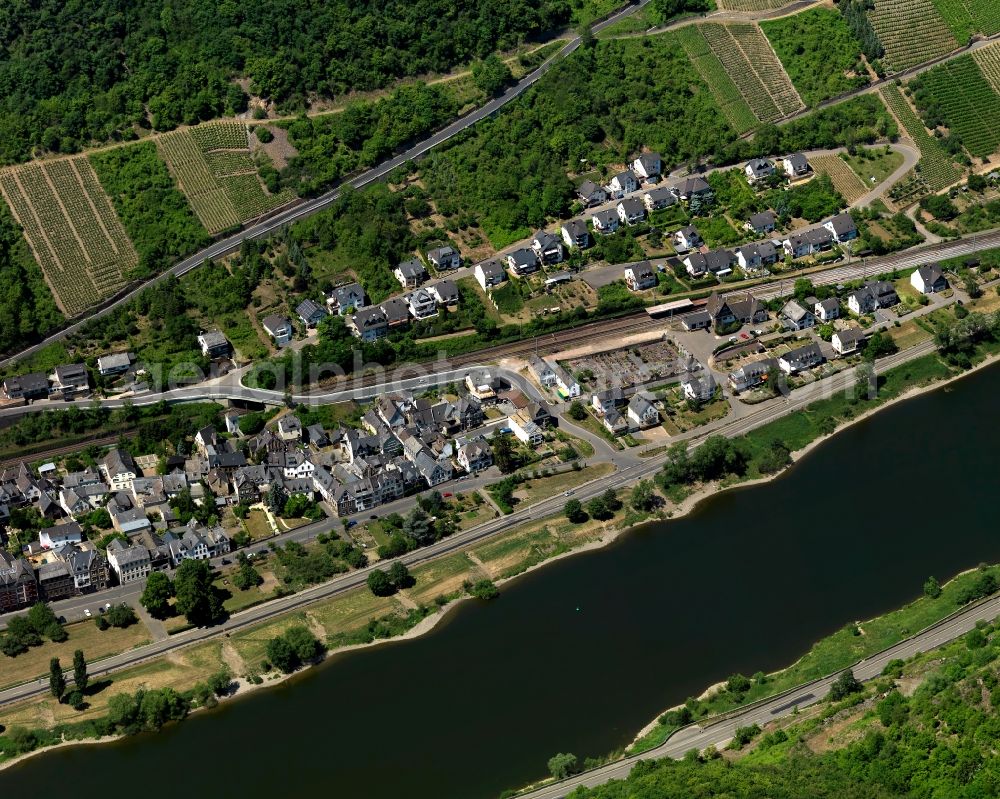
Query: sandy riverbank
pixel 610 533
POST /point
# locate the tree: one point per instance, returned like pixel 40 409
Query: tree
pixel 574 511
pixel 932 588
pixel 304 644
pixel 276 498
pixel 197 598
pixel 577 411
pixel 738 684
pixel 57 682
pixel 399 575
pixel 503 452
pixel 80 677
pixel 562 765
pixel 845 685
pixel 281 654
pixel 879 345
pixel 611 500
pixel 418 527
pixel 156 595
pixel 42 618
pixel 867 381
pixel 599 509
pixel 246 576
pixel 380 584
pixel 121 615
pixel 491 74
pixel 643 498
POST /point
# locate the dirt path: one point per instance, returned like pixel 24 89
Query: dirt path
pixel 233 659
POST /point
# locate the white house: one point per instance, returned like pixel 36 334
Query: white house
pixel 547 248
pixel 591 194
pixel 410 273
pixel 525 430
pixel 761 223
pixel 278 328
pixel 290 428
pixel 648 165
pixel 847 341
pixel 575 234
pixel 565 382
pixel 641 412
pixel 489 274
pixel 688 238
pixel 444 258
pixel 929 279
pixel 421 304
pixel 475 456
pixel 796 165
pixel 655 199
pixel 795 316
pixel 119 469
pixel 699 387
pixel 445 292
pixel 842 227
pixel 52 537
pixel 622 183
pixel 827 310
pixel 796 360
pixel 129 562
pixel 758 169
pixel 631 211
pixel 213 344
pixel 523 261
pixel 346 297
pixel 605 221
pixel 542 371
pixel 640 276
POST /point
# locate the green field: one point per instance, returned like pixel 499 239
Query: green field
pixel 936 166
pixel 819 52
pixel 957 96
pixel 966 17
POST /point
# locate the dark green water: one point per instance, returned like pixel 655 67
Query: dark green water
pixel 579 655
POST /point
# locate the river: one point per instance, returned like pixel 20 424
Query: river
pixel 579 655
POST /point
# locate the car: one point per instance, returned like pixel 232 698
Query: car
pixel 758 332
pixel 464 477
pixel 733 339
pixel 447 494
pixel 87 613
pixel 261 553
pixel 107 606
pixel 226 561
pixel 744 336
pixel 373 517
pixel 568 493
pixel 100 609
pixel 351 523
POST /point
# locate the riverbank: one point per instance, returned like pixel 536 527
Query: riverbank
pixel 514 553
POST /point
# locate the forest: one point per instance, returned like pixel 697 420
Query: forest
pixel 73 72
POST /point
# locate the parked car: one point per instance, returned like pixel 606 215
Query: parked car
pixel 86 612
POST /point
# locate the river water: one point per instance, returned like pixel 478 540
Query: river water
pixel 579 655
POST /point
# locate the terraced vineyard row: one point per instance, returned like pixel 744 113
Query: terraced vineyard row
pixel 936 166
pixel 762 58
pixel 989 63
pixel 966 101
pixel 213 167
pixel 845 180
pixel 911 31
pixel 751 5
pixel 725 92
pixel 72 228
pixel 966 17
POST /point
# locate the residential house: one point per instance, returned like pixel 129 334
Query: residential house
pixel 591 194
pixel 747 310
pixel 27 387
pixel 605 221
pixel 446 257
pixel 794 361
pixel 396 311
pixel 475 456
pixel 489 274
pixel 542 371
pixel 421 304
pixel 648 165
pixel 795 317
pixel 841 227
pixel 761 223
pixel 656 199
pixel 479 384
pixel 797 245
pixel 862 301
pixel 311 313
pixel 540 414
pixel 720 262
pixel 565 382
pixel 929 279
pixel 18 587
pixel 846 342
pixel 445 292
pixel 751 375
pixel 607 399
pixel 344 298
pixel 698 320
pixel 59 535
pixel 119 469
pixel 819 238
pixel 368 324
pixel 69 380
pixel 758 170
pixel 411 273
pixel 621 184
pixel 698 387
pixel 213 344
pixel 640 276
pixel 290 428
pixel 695 192
pixel 827 310
pixel 278 328
pixel 756 255
pixel 696 264
pixel 615 422
pixel 631 211
pixel 525 430
pixel 884 292
pixel 688 238
pixel 115 364
pixel 523 261
pixel 88 567
pixel 796 165
pixel 576 234
pixel 131 562
pixel 642 413
pixel 128 520
pixel 55 581
pixel 547 248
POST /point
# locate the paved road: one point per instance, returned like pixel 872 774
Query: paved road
pixel 718 734
pixel 309 207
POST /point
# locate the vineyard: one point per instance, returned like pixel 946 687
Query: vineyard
pixel 936 166
pixel 751 5
pixel 72 229
pixel 751 67
pixel 728 97
pixel 214 168
pixel 966 17
pixel 989 62
pixel 845 180
pixel 911 31
pixel 958 96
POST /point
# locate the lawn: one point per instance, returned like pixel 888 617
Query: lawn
pixel 250 644
pixel 352 611
pixel 257 525
pixel 874 163
pixel 594 425
pixel 82 635
pixel 908 334
pixel 443 576
pixel 537 489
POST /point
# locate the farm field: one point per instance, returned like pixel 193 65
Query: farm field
pixel 72 229
pixel 989 62
pixel 845 180
pixel 936 166
pixel 966 17
pixel 958 96
pixel 911 31
pixel 749 65
pixel 726 94
pixel 213 167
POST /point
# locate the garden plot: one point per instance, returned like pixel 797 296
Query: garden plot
pixel 629 366
pixel 71 226
pixel 845 180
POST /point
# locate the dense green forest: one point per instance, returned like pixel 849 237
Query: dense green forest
pixel 27 310
pixel 941 741
pixel 78 71
pixel 598 109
